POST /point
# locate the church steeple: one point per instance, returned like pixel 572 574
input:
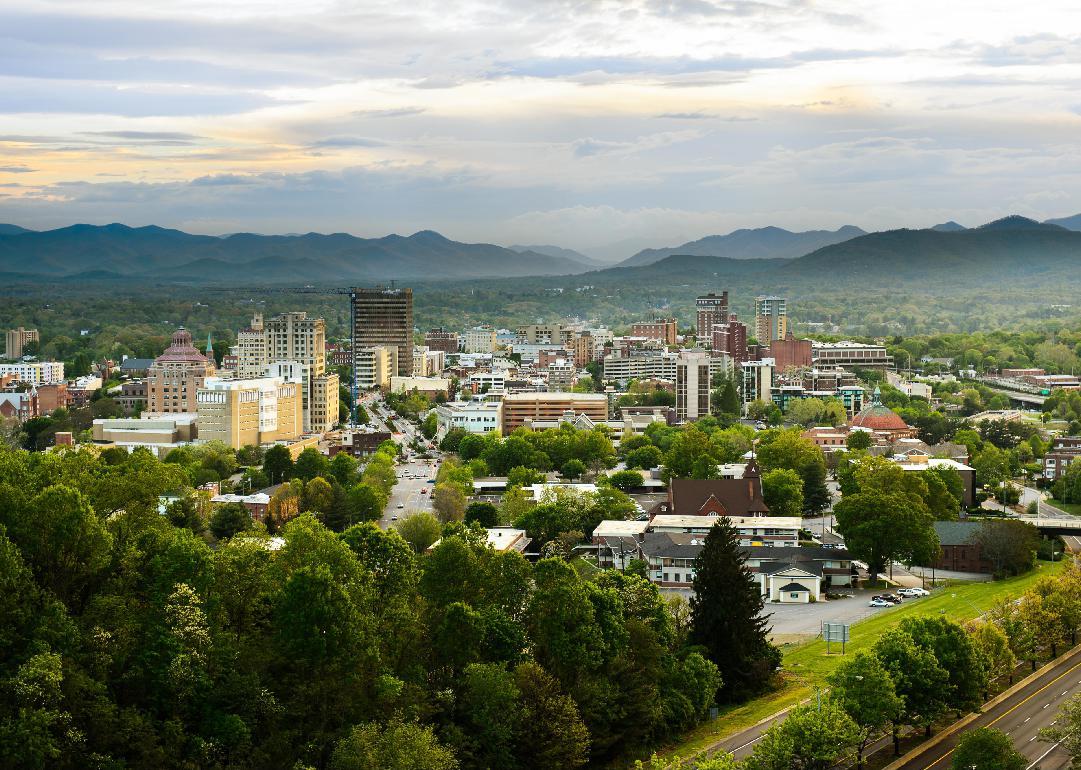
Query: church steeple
pixel 209 347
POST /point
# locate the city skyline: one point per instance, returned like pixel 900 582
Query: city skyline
pixel 604 127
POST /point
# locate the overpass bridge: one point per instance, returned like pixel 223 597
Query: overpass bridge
pixel 1019 397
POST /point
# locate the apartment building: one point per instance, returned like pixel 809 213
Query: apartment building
pixel 518 408
pixel 663 329
pixel 375 366
pixel 561 375
pixel 730 337
pixel 286 346
pixel 176 375
pixel 441 339
pixel 710 310
pixel 770 319
pixel 621 369
pixel 242 412
pixel 34 372
pixel 476 416
pixel 1064 451
pixel 541 334
pixel 383 317
pixel 479 339
pixel 692 386
pixel 17 339
pixel 757 380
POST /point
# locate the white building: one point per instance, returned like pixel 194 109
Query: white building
pixel 375 366
pixel 757 380
pixel 773 531
pixel 475 416
pixel 692 386
pixel 35 372
pixel 479 339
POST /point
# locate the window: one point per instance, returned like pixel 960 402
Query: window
pixel 665 577
pixel 794 595
pixel 677 576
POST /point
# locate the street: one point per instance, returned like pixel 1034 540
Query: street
pixel 1020 715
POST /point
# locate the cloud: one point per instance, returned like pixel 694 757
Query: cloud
pixel 396 112
pixel 147 136
pixel 348 141
pixel 16 170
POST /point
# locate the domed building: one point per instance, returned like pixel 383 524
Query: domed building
pixel 881 421
pixel 177 374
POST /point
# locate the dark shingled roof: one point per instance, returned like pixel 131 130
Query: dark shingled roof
pixel 956 532
pixel 672 545
pixel 740 497
pixel 795 587
pixel 773 567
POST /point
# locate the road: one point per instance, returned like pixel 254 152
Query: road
pixel 412 492
pixel 1021 715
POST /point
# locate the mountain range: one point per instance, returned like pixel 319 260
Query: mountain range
pixel 759 243
pixel 1010 247
pixel 156 253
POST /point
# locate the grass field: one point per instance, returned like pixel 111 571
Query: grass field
pixel 1074 508
pixel 806 666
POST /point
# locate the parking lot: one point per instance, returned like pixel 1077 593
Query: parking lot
pixel 797 622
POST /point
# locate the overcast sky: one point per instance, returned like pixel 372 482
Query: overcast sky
pixel 601 126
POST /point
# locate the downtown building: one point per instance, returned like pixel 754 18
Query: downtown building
pixel 770 319
pixel 293 347
pixel 250 412
pixel 710 310
pixel 176 376
pixel 383 317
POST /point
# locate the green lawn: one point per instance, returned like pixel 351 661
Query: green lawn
pixel 806 666
pixel 1074 508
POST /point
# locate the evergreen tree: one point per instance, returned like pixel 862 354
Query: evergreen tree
pixel 725 615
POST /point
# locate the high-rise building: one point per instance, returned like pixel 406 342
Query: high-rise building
pixel 560 375
pixel 663 329
pixel 479 339
pixel 384 317
pixel 712 309
pixel 757 377
pixel 770 319
pixel 375 366
pixel 176 375
pixel 441 339
pixel 250 412
pixel 17 339
pixel 291 345
pixel 789 352
pixel 731 338
pixel 692 386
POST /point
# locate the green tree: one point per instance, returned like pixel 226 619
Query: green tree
pixel 788 449
pixel 343 467
pixel 310 463
pixel 396 745
pixel 917 677
pixel 625 481
pixel 484 513
pixel 420 530
pixel 448 502
pixel 809 738
pixel 859 439
pixel 573 469
pixel 318 495
pixel 863 688
pixel 987 749
pixel 552 735
pixel 229 519
pixel 278 464
pixel 646 457
pixel 879 527
pixel 726 615
pixel 429 425
pixel 782 490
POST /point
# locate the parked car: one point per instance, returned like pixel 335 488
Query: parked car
pixel 913 592
pixel 890 598
pixel 401 505
pixel 880 602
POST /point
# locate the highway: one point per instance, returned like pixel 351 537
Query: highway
pixel 1021 715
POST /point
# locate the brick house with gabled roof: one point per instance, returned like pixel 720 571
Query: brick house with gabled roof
pixel 715 497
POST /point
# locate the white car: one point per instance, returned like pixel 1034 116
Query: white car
pixel 401 505
pixel 913 592
pixel 880 603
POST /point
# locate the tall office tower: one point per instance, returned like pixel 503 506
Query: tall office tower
pixel 293 345
pixel 383 317
pixel 731 338
pixel 712 310
pixel 692 386
pixel 19 338
pixel 770 319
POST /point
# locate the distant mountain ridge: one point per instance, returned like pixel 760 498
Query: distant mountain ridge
pixel 157 253
pixel 558 251
pixel 759 243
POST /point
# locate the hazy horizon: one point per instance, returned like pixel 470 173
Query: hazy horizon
pixel 604 127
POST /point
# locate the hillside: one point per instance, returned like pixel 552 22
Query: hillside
pixel 558 251
pixel 760 243
pixel 155 253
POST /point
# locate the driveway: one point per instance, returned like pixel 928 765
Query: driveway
pixel 797 622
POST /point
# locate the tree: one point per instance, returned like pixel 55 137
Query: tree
pixel 343 467
pixel 318 495
pixel 310 463
pixel 396 745
pixel 879 527
pixel 1067 730
pixel 625 481
pixel 987 749
pixel 809 738
pixel 863 688
pixel 228 519
pixel 782 490
pixel 645 457
pixel 484 513
pixel 1010 546
pixel 727 401
pixel 278 464
pixel 859 439
pixel 521 476
pixel 552 735
pixel 573 469
pixel 364 503
pixel 726 615
pixel 993 647
pixel 788 449
pixel 420 530
pixel 917 677
pixel 448 502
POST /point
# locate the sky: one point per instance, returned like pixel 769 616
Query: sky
pixel 595 125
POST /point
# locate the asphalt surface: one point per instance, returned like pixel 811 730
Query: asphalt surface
pixel 1020 716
